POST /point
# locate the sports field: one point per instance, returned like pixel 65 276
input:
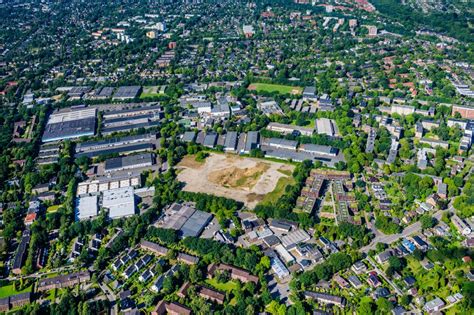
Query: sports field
pixel 282 89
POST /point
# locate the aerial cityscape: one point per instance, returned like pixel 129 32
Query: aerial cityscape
pixel 236 157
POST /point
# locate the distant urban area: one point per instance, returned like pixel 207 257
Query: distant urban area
pixel 236 157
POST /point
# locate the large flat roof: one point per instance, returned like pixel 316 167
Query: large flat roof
pixel 127 91
pixel 120 202
pixel 134 147
pixel 89 145
pixel 69 129
pixel 325 126
pixel 86 207
pixel 128 161
pixel 148 124
pixel 196 223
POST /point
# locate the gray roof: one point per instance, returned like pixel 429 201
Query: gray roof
pixel 252 141
pixel 90 145
pixel 309 90
pixel 196 223
pixel 189 136
pixel 281 142
pixel 134 147
pixel 319 149
pixel 231 140
pixel 105 92
pixel 69 129
pixel 128 161
pixel 148 124
pixel 210 140
pixel 127 92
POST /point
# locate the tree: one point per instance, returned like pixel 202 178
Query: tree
pixel 405 300
pixel 384 306
pixel 427 222
pixel 418 254
pixel 201 156
pixel 380 247
pixel 195 274
pixel 366 306
pixel 395 263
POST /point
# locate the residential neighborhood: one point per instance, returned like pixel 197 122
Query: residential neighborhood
pixel 236 157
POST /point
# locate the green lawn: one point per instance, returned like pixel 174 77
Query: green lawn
pixel 9 290
pixel 227 287
pixel 53 209
pixel 279 189
pixel 150 91
pixel 282 89
pixel 312 123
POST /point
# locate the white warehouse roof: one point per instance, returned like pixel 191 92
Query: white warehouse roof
pixel 120 202
pixel 86 207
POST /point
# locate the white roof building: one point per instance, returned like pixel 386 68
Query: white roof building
pixel 325 126
pixel 284 254
pixel 120 202
pixel 86 207
pixel 293 238
pixel 279 268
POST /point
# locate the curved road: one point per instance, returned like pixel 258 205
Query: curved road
pixel 392 238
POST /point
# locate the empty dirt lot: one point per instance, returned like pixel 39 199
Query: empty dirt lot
pixel 240 178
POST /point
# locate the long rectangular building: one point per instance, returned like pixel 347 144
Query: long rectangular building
pixel 70 124
pixel 325 298
pixel 114 142
pixel 131 112
pixel 124 149
pixel 289 129
pixel 63 281
pixel 129 162
pixel 129 127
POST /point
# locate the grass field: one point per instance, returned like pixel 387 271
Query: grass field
pixel 9 290
pixel 227 287
pixel 312 123
pixel 279 190
pixel 53 209
pixel 282 89
pixel 151 91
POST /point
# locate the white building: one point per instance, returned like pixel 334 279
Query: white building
pixel 402 109
pixel 284 254
pixel 87 207
pixel 460 225
pixel 325 126
pixel 279 268
pixel 120 202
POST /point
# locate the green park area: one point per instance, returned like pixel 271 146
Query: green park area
pixel 228 286
pixel 152 91
pixel 9 290
pixel 282 89
pixel 280 189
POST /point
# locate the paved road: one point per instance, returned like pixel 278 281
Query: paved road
pixel 111 297
pixel 411 229
pixel 40 274
pixel 392 238
pixel 382 273
pixel 279 290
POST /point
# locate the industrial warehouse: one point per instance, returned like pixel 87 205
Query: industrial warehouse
pixel 124 145
pixel 129 162
pixel 185 219
pixel 70 124
pixel 131 119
